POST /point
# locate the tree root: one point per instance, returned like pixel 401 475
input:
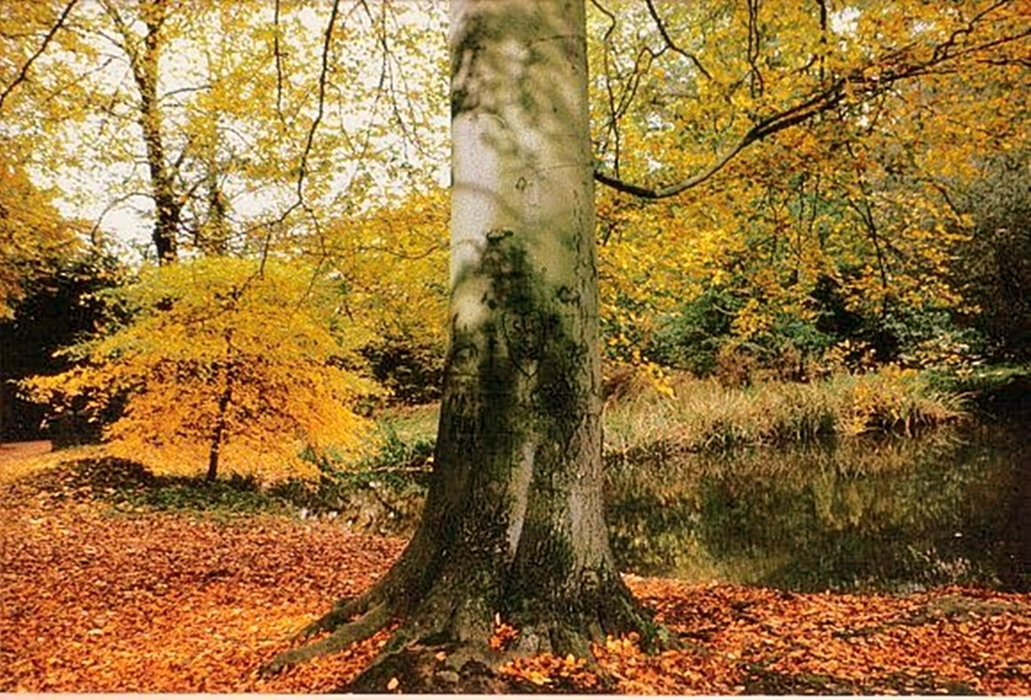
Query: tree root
pixel 339 615
pixel 343 635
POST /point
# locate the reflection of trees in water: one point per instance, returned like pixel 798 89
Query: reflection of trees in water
pixel 890 513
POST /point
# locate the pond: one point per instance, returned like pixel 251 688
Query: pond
pixel 887 514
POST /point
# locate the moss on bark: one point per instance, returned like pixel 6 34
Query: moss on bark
pixel 512 528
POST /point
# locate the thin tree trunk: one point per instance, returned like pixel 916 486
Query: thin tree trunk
pixel 144 62
pixel 218 437
pixel 221 418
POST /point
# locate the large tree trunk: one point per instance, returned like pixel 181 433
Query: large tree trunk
pixel 513 525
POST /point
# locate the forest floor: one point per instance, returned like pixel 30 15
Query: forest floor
pixel 101 597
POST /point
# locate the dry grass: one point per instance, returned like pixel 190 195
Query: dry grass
pixel 702 414
pixel 679 413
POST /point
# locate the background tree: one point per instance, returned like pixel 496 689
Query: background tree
pixel 828 167
pixel 997 261
pixel 33 235
pixel 35 244
pixel 282 120
pixel 61 306
pixel 224 177
pixel 391 260
pixel 212 371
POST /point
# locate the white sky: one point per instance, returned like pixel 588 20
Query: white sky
pixel 92 190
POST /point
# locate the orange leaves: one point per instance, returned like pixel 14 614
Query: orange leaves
pixel 550 672
pixel 168 604
pixel 163 603
pixel 736 640
pixel 779 642
pixel 687 671
pixel 504 635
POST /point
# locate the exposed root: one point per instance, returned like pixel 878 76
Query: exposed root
pixel 342 612
pixel 383 592
pixel 436 663
pixel 338 615
pixel 442 648
pixel 431 669
pixel 343 636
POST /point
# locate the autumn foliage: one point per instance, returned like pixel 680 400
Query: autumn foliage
pixel 33 236
pixel 223 361
pixel 822 172
pixel 144 601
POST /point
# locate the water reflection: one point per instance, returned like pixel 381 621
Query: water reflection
pixel 888 514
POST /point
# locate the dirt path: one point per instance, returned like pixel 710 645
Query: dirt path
pixel 20 459
pixel 13 451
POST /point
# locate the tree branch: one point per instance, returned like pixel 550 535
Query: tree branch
pixel 279 67
pixel 24 72
pixel 892 68
pixel 323 76
pixel 671 44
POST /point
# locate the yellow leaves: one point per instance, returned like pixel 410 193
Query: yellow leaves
pixel 863 194
pixel 226 347
pixel 624 646
pixel 32 233
pixel 393 261
pixel 750 320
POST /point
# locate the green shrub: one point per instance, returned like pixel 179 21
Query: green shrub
pixel 691 340
pixel 995 267
pixel 414 374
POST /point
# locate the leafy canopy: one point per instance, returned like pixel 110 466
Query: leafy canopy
pixel 828 147
pixel 254 362
pixel 33 236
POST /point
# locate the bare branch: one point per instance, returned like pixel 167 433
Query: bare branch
pixel 277 51
pixel 24 72
pixel 756 85
pixel 671 44
pixel 619 101
pixel 323 76
pixel 677 188
pixel 302 170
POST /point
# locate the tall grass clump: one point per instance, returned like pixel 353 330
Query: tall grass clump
pixel 702 414
pixel 892 400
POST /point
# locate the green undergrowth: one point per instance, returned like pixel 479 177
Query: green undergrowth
pixel 381 501
pixel 130 488
pixel 383 491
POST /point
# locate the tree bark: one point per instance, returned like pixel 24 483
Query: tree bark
pixel 513 525
pixel 167 209
pixel 144 62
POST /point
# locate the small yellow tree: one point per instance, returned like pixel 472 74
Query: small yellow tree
pixel 224 361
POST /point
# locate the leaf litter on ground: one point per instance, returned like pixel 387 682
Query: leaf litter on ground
pixel 99 600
